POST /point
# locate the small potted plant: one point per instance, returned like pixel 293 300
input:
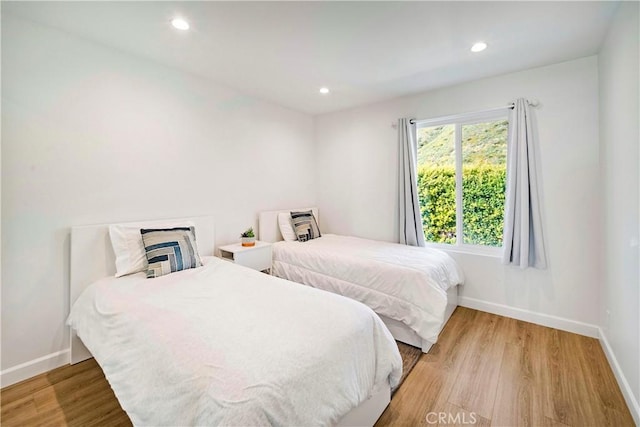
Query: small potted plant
pixel 248 237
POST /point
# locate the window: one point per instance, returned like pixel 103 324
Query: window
pixel 461 178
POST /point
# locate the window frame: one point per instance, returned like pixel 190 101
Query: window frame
pixel 459 120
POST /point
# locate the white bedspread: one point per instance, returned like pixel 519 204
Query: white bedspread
pixel 225 345
pixel 404 283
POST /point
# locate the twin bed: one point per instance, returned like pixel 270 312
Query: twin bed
pixel 221 344
pixel 413 290
pixel 225 345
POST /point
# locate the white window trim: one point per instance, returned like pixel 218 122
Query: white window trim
pixel 458 121
pixel 489 251
pixel 477 116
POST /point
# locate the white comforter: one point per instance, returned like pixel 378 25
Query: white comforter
pixel 225 345
pixel 404 283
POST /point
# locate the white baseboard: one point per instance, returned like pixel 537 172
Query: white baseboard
pixel 548 320
pixel 33 367
pixel 568 325
pixel 632 402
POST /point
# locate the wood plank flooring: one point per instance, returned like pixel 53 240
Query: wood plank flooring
pixel 485 370
pixel 503 372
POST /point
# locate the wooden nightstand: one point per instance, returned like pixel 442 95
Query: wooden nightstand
pixel 257 257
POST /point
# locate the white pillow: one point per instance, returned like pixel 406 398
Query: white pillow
pixel 128 247
pixel 286 229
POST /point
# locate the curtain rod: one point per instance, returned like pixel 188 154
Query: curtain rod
pixel 533 103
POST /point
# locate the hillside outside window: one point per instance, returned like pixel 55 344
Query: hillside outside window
pixel 461 174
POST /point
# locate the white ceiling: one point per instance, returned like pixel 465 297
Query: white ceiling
pixel 363 51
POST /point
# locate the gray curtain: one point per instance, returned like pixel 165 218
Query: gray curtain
pixel 410 220
pixel 522 242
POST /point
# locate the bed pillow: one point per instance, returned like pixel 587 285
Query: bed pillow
pixel 305 225
pixel 169 250
pixel 127 244
pixel 286 229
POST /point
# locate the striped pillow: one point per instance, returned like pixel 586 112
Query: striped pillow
pixel 170 249
pixel 305 225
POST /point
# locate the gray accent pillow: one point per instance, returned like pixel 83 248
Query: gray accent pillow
pixel 305 225
pixel 169 250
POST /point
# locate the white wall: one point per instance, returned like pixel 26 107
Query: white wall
pixel 619 149
pixel 91 135
pixel 356 162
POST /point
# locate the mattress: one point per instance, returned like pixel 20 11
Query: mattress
pixel 405 283
pixel 226 345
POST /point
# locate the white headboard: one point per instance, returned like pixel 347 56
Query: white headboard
pixel 268 230
pixel 92 258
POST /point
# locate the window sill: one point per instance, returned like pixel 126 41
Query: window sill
pixel 485 251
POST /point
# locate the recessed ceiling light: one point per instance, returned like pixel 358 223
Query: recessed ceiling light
pixel 478 47
pixel 324 90
pixel 180 24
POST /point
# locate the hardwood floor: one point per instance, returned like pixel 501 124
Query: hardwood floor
pixel 503 372
pixel 484 370
pixel 75 395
